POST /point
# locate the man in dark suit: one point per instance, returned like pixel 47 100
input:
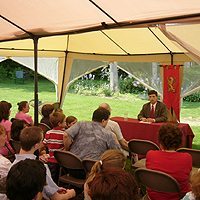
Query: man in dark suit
pixel 154 111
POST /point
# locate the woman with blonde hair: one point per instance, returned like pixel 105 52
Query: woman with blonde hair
pixel 195 185
pixel 110 168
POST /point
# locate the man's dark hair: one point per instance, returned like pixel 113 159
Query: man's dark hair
pixel 100 114
pixel 47 109
pixel 25 179
pixel 152 92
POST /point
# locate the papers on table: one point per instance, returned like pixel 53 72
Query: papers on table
pixel 145 122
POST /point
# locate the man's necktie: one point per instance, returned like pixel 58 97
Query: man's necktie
pixel 152 112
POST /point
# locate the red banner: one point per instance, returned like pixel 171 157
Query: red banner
pixel 171 89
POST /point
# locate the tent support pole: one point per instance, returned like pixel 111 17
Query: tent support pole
pixel 63 80
pixel 35 41
pixel 172 59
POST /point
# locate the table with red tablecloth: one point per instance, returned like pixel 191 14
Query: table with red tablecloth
pixel 134 129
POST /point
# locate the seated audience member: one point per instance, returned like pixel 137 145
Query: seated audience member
pixel 26 180
pixel 91 139
pixel 195 185
pixel 23 109
pixel 5 107
pixel 110 159
pixel 47 109
pixel 113 184
pixel 70 121
pixel 154 111
pixel 4 162
pixel 4 117
pixel 54 141
pixel 16 128
pixel 31 140
pixel 176 164
pixel 114 127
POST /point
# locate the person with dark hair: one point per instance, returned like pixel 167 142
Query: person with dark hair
pixel 70 121
pixel 47 109
pixel 4 117
pixel 91 139
pixel 31 140
pixel 113 184
pixel 23 109
pixel 54 141
pixel 176 164
pixel 154 110
pixel 26 180
pixel 5 107
pixel 16 128
pixel 4 162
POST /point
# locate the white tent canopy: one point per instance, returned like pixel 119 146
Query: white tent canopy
pixel 97 32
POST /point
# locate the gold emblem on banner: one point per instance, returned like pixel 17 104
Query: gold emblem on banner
pixel 170 83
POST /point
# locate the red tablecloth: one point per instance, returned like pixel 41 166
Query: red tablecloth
pixel 133 129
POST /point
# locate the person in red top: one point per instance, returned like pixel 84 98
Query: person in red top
pixel 176 164
pixel 54 141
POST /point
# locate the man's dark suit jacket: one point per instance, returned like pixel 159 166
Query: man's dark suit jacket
pixel 160 112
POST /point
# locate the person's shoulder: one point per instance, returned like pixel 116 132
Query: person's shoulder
pixel 153 153
pixel 146 105
pixel 4 161
pixel 161 103
pixel 185 155
pixel 112 123
pixel 3 197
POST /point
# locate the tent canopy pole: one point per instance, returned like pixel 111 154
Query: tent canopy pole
pixel 35 41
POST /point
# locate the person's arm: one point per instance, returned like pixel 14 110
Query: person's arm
pixel 112 141
pixel 141 115
pixel 65 195
pixel 116 129
pixel 67 140
pixel 124 144
pixel 162 114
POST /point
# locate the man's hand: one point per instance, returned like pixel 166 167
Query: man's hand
pixel 143 119
pixel 150 120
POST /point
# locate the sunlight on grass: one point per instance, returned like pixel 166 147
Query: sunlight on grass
pixel 83 106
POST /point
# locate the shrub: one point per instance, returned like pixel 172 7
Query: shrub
pixel 130 85
pixel 193 97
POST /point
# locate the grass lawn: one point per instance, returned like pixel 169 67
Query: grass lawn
pixel 83 106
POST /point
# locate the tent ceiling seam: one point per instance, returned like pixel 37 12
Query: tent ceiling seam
pixel 101 9
pixel 14 24
pixel 115 43
pixel 159 40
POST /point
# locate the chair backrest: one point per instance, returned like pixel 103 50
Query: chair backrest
pixel 68 160
pixel 44 127
pixel 195 155
pixel 141 146
pixel 157 181
pixel 88 164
